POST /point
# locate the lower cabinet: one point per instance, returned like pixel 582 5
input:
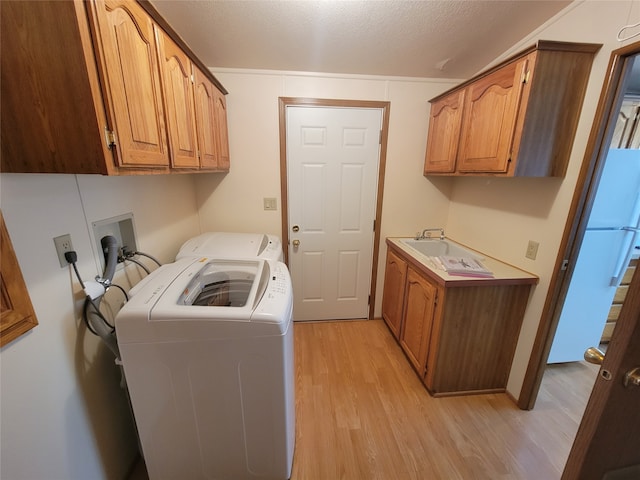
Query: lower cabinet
pixel 460 337
pixel 393 292
pixel 419 306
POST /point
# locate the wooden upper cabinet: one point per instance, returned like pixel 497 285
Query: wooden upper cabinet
pixel 518 118
pixel 444 130
pixel 52 113
pixel 177 79
pixel 488 128
pixel 131 73
pixel 110 98
pixel 205 102
pixel 211 117
pixel 190 104
pixel 222 135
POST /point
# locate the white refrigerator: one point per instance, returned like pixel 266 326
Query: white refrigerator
pixel 610 241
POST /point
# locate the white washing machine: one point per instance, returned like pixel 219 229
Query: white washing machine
pixel 233 245
pixel 207 350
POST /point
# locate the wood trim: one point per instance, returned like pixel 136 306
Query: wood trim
pixel 598 143
pixel 18 315
pixel 283 103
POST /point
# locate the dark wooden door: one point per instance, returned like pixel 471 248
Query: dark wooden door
pixel 607 444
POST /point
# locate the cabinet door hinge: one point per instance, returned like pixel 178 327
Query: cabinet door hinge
pixel 193 79
pixel 525 76
pixel 110 137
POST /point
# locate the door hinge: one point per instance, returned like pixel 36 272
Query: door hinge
pixel 110 137
pixel 374 225
pixel 369 300
pixel 380 138
pixel 565 265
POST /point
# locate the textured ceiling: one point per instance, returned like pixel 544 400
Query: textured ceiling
pixel 430 38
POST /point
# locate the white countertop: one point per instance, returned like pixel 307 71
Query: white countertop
pixel 502 272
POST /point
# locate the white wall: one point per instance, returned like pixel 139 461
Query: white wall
pixel 234 201
pixel 499 216
pixel 63 413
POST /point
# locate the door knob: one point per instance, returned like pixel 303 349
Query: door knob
pixel 632 378
pixel 296 243
pixel 594 355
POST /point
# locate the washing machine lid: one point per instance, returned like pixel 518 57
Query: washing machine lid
pixel 232 245
pixel 163 309
pixel 229 284
pixel 227 290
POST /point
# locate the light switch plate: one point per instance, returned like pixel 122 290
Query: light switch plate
pixel 270 203
pixel 532 250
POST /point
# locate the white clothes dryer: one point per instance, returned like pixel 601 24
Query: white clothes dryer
pixel 207 350
pixel 233 245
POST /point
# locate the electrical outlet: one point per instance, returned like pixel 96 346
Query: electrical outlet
pixel 63 244
pixel 532 250
pixel 270 203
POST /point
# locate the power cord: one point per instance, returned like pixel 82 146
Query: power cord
pixel 72 257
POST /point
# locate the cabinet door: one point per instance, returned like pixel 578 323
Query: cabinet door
pixel 205 99
pixel 419 307
pixel 393 293
pixel 131 71
pixel 177 83
pixel 222 134
pixel 445 121
pixel 488 128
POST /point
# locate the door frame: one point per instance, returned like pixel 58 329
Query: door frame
pixel 599 139
pixel 283 103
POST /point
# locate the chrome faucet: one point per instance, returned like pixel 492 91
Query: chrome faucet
pixel 426 233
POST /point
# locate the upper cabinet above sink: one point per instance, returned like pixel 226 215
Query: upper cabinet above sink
pixel 516 119
pixel 105 86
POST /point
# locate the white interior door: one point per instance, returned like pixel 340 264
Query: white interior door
pixel 333 156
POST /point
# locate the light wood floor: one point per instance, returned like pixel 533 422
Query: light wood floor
pixel 362 414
